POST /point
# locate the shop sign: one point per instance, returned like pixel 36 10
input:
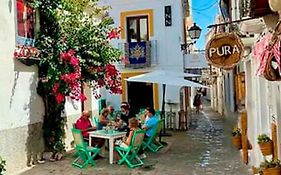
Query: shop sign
pixel 224 50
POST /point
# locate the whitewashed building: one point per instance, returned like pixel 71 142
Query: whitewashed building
pixel 159 27
pixel 22 109
pixel 260 98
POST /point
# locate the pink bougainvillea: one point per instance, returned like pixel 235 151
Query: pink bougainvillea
pixel 69 82
pixel 114 33
pixel 124 60
pixel 59 98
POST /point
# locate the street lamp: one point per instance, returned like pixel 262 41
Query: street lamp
pixel 194 33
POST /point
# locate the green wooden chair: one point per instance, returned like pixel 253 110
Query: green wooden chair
pixel 152 143
pixel 95 120
pixel 129 155
pixel 85 153
pixel 158 113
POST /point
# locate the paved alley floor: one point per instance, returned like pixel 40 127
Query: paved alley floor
pixel 205 149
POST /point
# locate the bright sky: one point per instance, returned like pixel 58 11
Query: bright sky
pixel 203 14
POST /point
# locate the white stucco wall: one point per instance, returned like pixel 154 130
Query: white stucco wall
pixel 18 95
pixel 262 102
pixel 168 38
pixel 21 107
pixel 22 110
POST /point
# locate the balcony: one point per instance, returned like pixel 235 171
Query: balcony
pixel 254 8
pixel 244 8
pixel 140 54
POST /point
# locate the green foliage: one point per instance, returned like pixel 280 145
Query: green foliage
pixel 2 166
pixel 236 132
pixel 78 25
pixel 270 164
pixel 263 138
pixel 81 26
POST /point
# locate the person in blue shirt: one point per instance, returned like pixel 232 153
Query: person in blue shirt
pixel 150 124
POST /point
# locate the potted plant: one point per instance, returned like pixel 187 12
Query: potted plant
pixel 27 55
pixel 255 170
pixel 272 167
pixel 2 166
pixel 236 138
pixel 265 144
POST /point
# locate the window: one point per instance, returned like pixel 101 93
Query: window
pixel 137 29
pixel 25 23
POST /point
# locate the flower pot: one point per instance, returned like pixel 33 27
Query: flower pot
pixel 237 142
pixel 28 61
pixel 272 171
pixel 266 148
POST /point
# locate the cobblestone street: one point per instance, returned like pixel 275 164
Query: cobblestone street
pixel 205 149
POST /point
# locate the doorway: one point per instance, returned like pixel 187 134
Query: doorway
pixel 140 95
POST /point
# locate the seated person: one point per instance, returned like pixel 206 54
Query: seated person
pixel 103 119
pixel 144 117
pixel 112 114
pixel 133 126
pixel 126 114
pixel 84 124
pixel 150 124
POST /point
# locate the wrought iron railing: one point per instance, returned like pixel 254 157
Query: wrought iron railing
pixel 245 8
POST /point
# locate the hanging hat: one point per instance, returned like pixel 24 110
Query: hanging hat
pixel 275 5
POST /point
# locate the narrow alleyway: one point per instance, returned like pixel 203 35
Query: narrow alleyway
pixel 205 149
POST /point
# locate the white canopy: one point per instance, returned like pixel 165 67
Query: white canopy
pixel 163 72
pixel 167 78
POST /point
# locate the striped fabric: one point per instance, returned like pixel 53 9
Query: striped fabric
pixel 262 52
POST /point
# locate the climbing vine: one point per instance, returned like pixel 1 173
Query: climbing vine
pixel 2 166
pixel 74 50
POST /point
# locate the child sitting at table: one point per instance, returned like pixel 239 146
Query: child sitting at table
pixel 133 126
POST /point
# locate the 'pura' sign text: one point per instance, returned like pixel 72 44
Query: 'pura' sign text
pixel 224 50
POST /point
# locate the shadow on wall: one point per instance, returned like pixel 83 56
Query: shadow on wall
pixel 34 144
pixel 18 68
pixel 34 141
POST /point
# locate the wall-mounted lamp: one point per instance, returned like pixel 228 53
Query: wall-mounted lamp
pixel 194 33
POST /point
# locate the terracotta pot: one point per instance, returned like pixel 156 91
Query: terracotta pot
pixel 266 148
pixel 237 142
pixel 272 171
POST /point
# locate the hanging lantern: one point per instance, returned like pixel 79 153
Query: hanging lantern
pixel 275 5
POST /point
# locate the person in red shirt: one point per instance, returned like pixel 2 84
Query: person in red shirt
pixel 84 124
